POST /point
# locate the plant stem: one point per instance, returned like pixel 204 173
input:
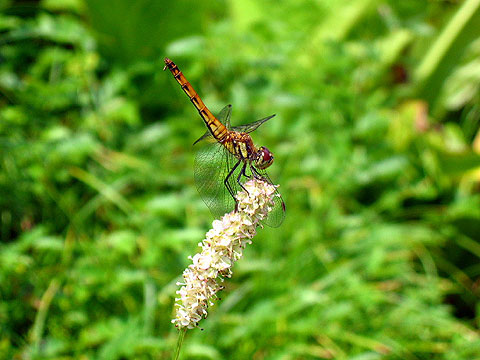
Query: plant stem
pixel 40 318
pixel 181 336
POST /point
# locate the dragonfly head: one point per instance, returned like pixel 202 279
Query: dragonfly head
pixel 264 158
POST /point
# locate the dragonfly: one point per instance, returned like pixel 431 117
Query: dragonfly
pixel 227 157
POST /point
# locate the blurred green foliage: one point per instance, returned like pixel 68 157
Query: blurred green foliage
pixel 377 151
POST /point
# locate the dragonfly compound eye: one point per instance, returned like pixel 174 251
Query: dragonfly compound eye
pixel 264 159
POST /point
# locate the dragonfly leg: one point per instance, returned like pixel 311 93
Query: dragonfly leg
pixel 229 187
pixel 227 184
pixel 242 172
pixel 256 174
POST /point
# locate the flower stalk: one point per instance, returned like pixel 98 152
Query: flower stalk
pixel 178 347
pixel 222 247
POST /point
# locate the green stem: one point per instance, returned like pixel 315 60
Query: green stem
pixel 40 318
pixel 181 336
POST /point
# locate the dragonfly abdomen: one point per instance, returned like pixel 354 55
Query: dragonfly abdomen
pixel 217 129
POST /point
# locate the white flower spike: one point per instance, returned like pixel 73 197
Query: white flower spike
pixel 223 245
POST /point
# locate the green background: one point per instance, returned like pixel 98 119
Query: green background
pixel 376 144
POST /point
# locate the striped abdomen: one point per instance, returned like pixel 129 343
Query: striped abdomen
pixel 218 130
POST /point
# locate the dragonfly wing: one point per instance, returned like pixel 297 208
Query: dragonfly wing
pixel 213 163
pixel 225 115
pixel 277 214
pixel 207 135
pixel 248 128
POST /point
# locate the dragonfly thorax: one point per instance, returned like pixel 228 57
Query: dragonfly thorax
pixel 264 158
pixel 242 147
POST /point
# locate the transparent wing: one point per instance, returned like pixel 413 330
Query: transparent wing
pixel 207 136
pixel 277 215
pixel 212 165
pixel 224 117
pixel 248 128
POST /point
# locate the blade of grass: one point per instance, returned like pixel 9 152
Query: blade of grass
pixel 102 188
pixel 40 318
pixel 443 56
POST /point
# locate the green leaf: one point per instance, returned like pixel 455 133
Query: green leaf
pixel 458 164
